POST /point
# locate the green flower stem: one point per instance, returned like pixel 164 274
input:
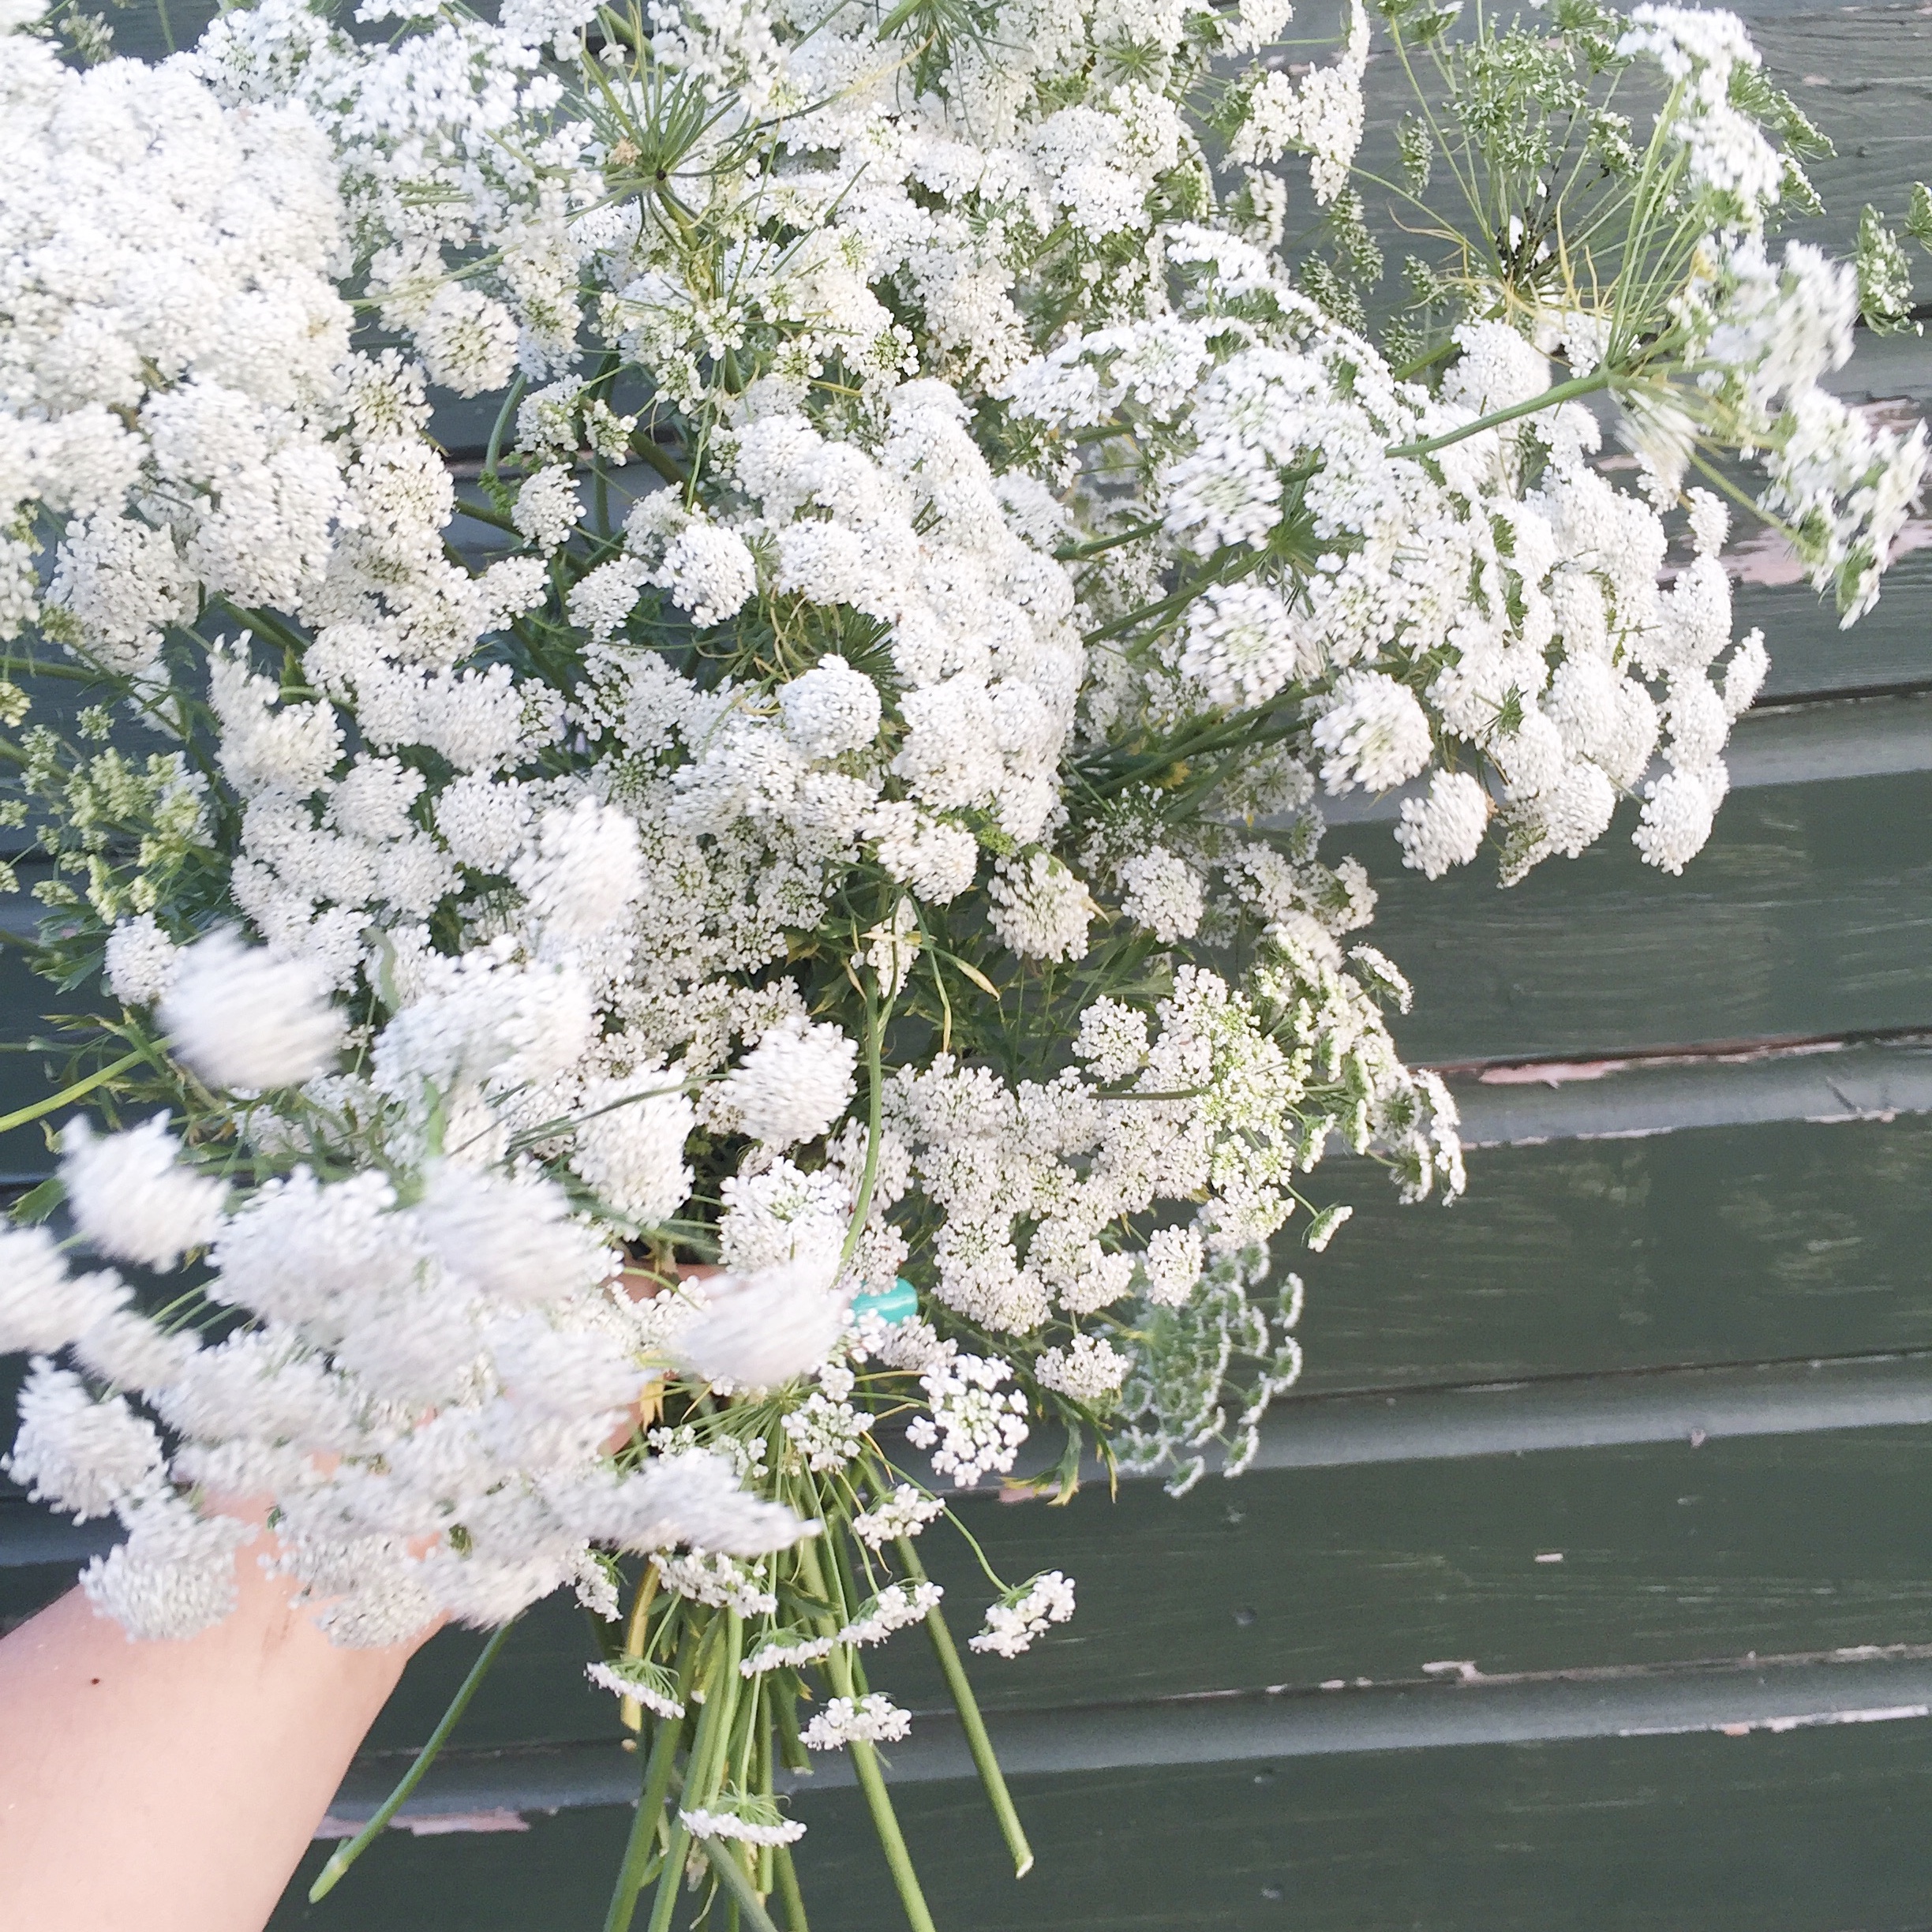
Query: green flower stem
pixel 493 454
pixel 630 1711
pixel 732 1874
pixel 1742 499
pixel 977 1742
pixel 865 1762
pixel 886 1822
pixel 644 444
pixel 664 1904
pixel 702 1772
pixel 658 1771
pixel 1563 392
pixel 1277 719
pixel 268 625
pixel 788 1889
pixel 759 1775
pixel 22 1115
pixel 346 1855
pixel 482 513
pixel 792 1753
pixel 643 1830
pixel 709 1754
pixel 1228 570
pixel 1075 552
pixel 875 1107
pixel 21 664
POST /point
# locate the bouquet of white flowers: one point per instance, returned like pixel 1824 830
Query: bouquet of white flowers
pixel 679 986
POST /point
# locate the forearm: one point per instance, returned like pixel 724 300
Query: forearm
pixel 172 1785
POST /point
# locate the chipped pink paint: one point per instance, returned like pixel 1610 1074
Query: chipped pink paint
pixel 1764 559
pixel 1876 1713
pixel 1562 1073
pixel 440 1824
pixel 432 1824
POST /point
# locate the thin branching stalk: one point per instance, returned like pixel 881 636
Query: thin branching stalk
pixel 347 1855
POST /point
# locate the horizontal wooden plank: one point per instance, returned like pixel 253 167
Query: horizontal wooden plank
pixel 1792 1240
pixel 1669 1553
pixel 1780 1242
pixel 1808 914
pixel 1586 1412
pixel 1636 1556
pixel 1457 1706
pixel 1819 1828
pixel 1864 76
pixel 1889 647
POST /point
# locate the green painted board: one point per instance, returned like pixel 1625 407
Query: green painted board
pixel 1671 1554
pixel 28 1003
pixel 1808 915
pixel 1815 1830
pixel 1888 648
pixel 1784 1240
pixel 1864 76
pixel 1728 1244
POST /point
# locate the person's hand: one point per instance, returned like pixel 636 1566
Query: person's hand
pixel 209 1761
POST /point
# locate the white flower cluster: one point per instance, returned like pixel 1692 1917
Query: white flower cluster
pixel 905 1513
pixel 1320 115
pixel 741 1822
pixel 647 1685
pixel 426 1387
pixel 873 1719
pixel 1022 555
pixel 1089 1370
pixel 973 1426
pixel 894 1609
pixel 1454 617
pixel 1032 1179
pixel 1703 52
pixel 1023 1614
pixel 721 1581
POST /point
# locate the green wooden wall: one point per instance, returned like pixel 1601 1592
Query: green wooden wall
pixel 1587 1582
